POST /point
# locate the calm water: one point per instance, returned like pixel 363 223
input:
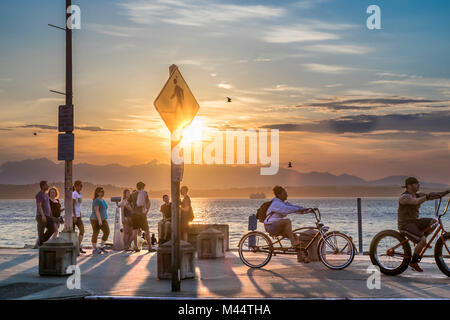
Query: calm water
pixel 18 227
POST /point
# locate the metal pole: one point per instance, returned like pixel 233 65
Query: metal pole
pixel 360 240
pixel 68 204
pixel 175 210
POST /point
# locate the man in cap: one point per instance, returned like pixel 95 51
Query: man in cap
pixel 408 217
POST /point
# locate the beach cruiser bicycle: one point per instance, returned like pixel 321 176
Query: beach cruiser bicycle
pixel 391 252
pixel 335 249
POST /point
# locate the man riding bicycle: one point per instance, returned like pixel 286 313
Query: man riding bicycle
pixel 276 222
pixel 408 217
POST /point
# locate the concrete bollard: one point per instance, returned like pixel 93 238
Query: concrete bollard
pixel 305 238
pixel 196 228
pixel 55 256
pixel 164 257
pixel 210 244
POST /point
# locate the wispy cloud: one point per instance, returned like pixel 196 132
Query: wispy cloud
pixel 285 88
pixel 338 48
pixel 196 13
pixel 52 127
pixel 113 30
pixel 324 68
pixel 224 86
pixel 297 33
pixel 422 122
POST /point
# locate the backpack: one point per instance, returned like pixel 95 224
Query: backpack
pixel 133 203
pixel 261 213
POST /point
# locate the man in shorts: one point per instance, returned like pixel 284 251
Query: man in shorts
pixel 140 203
pixel 276 222
pixel 417 229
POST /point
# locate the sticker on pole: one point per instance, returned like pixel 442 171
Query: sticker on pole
pixel 175 103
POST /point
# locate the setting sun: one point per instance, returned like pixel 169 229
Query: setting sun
pixel 193 132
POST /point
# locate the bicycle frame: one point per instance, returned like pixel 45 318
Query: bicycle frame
pixel 321 233
pixel 436 232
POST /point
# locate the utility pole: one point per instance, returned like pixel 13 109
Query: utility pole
pixel 68 203
pixel 175 138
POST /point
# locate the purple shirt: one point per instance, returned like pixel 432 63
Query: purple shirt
pixel 42 198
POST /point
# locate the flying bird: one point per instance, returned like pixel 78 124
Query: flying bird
pixel 228 99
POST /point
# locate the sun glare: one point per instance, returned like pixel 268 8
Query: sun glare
pixel 193 132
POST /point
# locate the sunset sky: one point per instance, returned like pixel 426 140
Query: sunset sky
pixel 346 99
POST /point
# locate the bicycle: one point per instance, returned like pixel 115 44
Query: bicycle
pixel 335 249
pixel 391 252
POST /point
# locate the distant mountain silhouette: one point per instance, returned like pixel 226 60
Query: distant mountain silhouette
pixel 157 176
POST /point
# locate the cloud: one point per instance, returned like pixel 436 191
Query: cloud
pixel 366 103
pixel 297 33
pixel 422 122
pixel 50 127
pixel 415 81
pixel 323 68
pixel 338 48
pixel 113 30
pixel 285 88
pixel 224 86
pixel 196 13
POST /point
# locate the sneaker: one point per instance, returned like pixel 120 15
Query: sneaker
pixel 103 249
pixel 81 250
pixel 151 250
pixel 415 266
pixel 96 251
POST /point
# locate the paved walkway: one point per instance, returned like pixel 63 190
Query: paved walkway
pixel 134 274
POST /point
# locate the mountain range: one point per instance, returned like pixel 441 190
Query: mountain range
pixel 157 176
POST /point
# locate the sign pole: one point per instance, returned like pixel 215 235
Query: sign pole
pixel 175 210
pixel 68 204
pixel 177 107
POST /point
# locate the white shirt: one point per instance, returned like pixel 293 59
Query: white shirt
pixel 280 209
pixel 78 197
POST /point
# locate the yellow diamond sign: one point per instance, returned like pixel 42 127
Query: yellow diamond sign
pixel 175 103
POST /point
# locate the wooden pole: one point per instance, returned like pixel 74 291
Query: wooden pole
pixel 360 240
pixel 175 211
pixel 68 204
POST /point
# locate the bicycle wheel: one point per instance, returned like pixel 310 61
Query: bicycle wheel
pixel 255 249
pixel 442 253
pixel 336 250
pixel 382 253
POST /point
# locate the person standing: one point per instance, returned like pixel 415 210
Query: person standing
pixel 140 203
pixel 186 212
pixel 77 199
pixel 166 218
pixel 99 220
pixel 45 223
pixel 56 209
pixel 126 212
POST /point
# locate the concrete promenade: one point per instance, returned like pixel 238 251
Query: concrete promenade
pixel 135 274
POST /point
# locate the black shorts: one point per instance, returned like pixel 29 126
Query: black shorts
pixel 139 221
pixel 415 230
